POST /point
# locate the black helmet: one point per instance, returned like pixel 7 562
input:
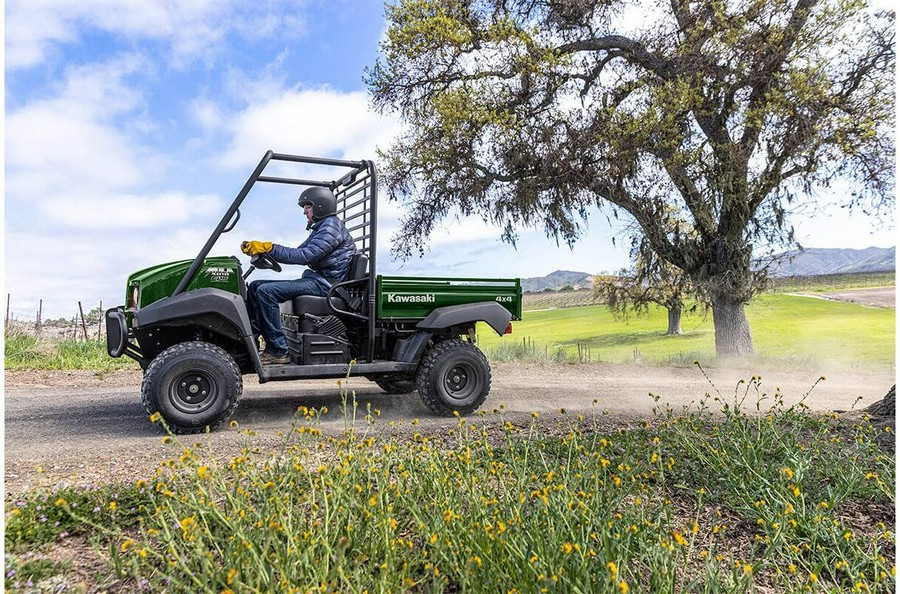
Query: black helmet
pixel 322 200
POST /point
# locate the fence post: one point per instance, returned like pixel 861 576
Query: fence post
pixel 83 325
pixel 37 325
pixel 6 325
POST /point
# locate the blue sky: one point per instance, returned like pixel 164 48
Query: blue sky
pixel 130 126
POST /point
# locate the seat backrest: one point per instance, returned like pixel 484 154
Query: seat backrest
pixel 359 265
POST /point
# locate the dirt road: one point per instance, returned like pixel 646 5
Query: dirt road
pixel 878 297
pixel 77 428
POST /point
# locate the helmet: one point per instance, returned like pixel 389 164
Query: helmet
pixel 322 200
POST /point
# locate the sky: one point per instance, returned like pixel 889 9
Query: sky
pixel 131 125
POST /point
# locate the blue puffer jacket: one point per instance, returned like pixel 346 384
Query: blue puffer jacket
pixel 327 251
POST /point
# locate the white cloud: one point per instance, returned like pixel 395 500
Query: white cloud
pixel 131 211
pixel 72 140
pixel 192 28
pixel 63 268
pixel 208 114
pixel 319 122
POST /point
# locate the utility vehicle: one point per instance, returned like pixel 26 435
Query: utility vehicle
pixel 186 322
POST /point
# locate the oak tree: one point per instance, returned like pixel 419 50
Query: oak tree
pixel 650 280
pixel 723 114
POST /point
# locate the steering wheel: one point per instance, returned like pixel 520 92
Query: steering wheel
pixel 264 261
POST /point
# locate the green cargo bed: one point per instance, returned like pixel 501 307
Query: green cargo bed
pixel 413 298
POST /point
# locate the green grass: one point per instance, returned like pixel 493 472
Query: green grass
pixel 690 502
pixel 26 351
pixel 785 328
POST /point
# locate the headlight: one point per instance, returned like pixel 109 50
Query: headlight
pixel 132 304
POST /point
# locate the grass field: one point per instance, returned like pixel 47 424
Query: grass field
pixel 786 328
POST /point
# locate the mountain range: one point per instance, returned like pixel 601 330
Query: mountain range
pixel 802 262
pixel 816 261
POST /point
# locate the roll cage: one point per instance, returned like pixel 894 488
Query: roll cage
pixel 356 192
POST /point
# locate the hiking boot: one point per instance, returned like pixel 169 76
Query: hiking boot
pixel 268 358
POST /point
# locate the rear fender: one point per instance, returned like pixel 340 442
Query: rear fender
pixel 492 313
pixel 458 318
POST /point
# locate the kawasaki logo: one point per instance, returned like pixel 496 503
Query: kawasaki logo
pixel 395 298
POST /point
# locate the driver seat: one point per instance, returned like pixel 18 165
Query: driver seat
pixel 318 306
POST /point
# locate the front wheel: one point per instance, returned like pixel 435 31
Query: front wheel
pixel 454 377
pixel 193 385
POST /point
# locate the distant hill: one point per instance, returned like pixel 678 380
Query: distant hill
pixel 556 281
pixel 815 261
pixel 806 262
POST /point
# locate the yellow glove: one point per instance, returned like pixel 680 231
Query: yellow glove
pixel 251 248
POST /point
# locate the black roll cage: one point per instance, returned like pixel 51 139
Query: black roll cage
pixel 357 205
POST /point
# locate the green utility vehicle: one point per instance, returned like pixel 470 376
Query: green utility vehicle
pixel 186 322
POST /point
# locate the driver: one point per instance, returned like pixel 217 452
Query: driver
pixel 327 253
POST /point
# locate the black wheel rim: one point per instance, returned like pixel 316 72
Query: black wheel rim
pixel 193 392
pixel 460 381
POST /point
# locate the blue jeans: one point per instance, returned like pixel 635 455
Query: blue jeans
pixel 263 298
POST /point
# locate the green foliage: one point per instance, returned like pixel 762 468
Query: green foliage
pixel 496 504
pixel 26 351
pixel 788 330
pixel 36 518
pixel 37 574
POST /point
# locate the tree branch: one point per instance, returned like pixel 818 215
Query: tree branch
pixel 631 50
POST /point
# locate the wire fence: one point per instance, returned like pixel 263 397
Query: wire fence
pixel 86 324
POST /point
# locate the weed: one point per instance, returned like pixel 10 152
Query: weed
pixel 26 351
pixel 34 574
pixel 703 499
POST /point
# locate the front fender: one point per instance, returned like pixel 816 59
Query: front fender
pixel 193 308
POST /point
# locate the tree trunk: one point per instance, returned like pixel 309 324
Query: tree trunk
pixel 674 320
pixel 733 337
pixel 885 406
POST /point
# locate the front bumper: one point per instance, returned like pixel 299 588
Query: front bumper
pixel 118 341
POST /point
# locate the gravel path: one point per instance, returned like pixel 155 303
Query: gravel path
pixel 877 297
pixel 77 427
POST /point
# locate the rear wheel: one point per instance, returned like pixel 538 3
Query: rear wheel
pixel 454 377
pixel 193 385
